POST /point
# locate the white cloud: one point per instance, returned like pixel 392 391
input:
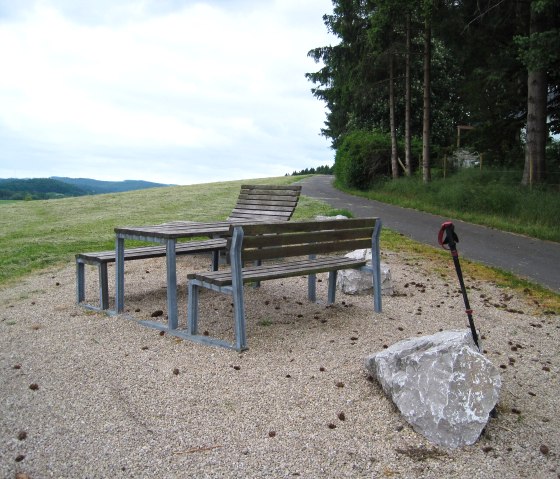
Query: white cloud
pixel 150 90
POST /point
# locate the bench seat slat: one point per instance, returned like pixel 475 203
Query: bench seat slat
pixel 278 271
pixel 145 252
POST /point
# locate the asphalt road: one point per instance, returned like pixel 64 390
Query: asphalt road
pixel 532 259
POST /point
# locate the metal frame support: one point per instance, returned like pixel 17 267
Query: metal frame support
pixel 376 264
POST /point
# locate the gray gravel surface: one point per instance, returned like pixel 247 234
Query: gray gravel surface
pixel 86 395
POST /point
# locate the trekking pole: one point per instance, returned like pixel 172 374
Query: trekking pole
pixel 451 239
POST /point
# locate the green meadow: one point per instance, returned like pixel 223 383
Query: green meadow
pixel 38 234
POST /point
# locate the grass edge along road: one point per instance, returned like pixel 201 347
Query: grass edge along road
pixel 489 198
pixel 38 234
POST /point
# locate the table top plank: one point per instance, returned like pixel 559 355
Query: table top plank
pixel 184 229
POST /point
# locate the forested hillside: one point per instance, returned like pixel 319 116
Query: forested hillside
pixel 36 188
pixel 58 187
pixel 96 186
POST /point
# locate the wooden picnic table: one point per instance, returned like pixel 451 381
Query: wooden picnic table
pixel 256 203
pixel 168 234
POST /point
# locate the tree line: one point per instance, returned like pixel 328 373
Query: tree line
pixel 409 81
pixel 320 170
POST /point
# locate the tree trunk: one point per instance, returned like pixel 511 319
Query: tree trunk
pixel 537 132
pixel 426 130
pixel 407 94
pixel 394 152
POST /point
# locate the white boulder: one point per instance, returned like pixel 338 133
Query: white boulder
pixel 354 281
pixel 441 384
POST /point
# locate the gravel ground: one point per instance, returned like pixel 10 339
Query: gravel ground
pixel 86 395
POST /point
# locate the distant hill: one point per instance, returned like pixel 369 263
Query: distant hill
pixel 59 187
pixel 95 187
pixel 36 189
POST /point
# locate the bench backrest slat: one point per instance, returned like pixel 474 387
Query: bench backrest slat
pixel 301 226
pixel 266 202
pixel 304 249
pixel 282 240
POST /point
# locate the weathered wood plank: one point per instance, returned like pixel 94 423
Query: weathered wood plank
pixel 261 241
pixel 278 271
pixel 146 252
pixel 304 249
pixel 301 226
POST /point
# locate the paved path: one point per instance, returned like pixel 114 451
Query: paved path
pixel 535 260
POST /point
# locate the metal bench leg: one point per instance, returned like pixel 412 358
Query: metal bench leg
pixel 119 274
pixel 215 259
pixel 80 282
pixel 332 287
pixel 312 287
pixel 376 264
pixel 192 309
pixel 237 290
pixel 312 284
pixel 103 286
pixel 171 260
pixel 239 314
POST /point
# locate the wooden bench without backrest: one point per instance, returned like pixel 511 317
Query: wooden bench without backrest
pixel 262 242
pixel 255 203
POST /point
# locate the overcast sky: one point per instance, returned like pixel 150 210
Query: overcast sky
pixel 171 91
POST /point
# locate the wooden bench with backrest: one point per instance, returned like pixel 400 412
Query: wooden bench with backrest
pixel 255 203
pixel 302 243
